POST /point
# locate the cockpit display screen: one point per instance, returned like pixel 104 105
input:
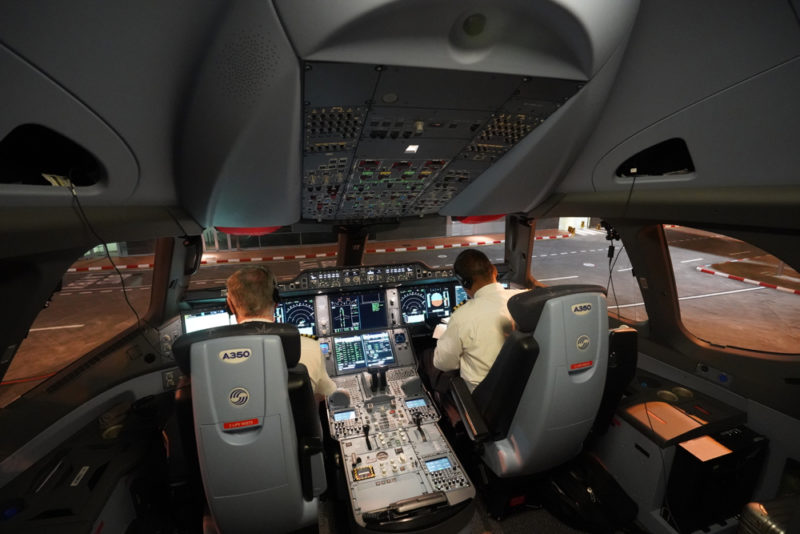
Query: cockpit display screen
pixel 377 349
pixel 365 350
pixel 358 311
pixel 298 311
pixel 419 302
pixel 461 295
pixel 209 318
pixel 345 415
pixel 416 403
pixel 438 464
pixel 349 353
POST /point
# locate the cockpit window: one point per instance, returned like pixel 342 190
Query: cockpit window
pixel 435 241
pixel 574 250
pixel 732 293
pixel 94 303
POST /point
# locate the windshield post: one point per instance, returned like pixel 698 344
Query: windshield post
pixel 520 232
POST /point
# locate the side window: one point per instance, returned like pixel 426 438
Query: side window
pixel 574 250
pixel 734 294
pixel 89 309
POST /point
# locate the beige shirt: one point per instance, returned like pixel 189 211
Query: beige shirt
pixel 475 334
pixel 311 356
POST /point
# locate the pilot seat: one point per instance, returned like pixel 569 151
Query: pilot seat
pixel 537 404
pixel 258 434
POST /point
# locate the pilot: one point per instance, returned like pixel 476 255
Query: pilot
pixel 477 329
pixel 252 295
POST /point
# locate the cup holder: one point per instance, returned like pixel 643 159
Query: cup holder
pixel 682 392
pixel 667 395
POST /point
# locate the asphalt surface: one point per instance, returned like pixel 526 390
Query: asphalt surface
pixel 91 307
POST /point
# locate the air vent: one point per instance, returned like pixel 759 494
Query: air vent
pixel 35 155
pixel 668 158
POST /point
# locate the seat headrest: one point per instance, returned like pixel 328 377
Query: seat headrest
pixel 290 339
pixel 526 308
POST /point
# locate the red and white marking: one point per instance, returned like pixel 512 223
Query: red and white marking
pixel 435 247
pixel 705 269
pixel 221 261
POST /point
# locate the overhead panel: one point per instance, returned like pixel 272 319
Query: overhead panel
pixel 387 142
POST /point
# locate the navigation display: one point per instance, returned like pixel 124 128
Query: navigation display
pixel 358 311
pixel 298 311
pixel 209 318
pixel 365 350
pixel 419 302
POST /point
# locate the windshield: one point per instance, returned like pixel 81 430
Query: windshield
pixel 94 303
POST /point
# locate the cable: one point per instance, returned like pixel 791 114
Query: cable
pixel 611 278
pixel 85 220
pixel 628 200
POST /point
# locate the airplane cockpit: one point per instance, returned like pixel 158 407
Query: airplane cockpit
pixel 627 167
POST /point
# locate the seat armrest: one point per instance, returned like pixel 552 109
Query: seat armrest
pixel 308 447
pixel 473 419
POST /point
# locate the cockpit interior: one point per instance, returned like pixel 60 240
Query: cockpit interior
pixel 628 167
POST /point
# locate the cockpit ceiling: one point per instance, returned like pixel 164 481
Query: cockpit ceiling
pixel 382 142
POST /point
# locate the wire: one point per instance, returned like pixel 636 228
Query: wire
pixel 611 278
pixel 85 220
pixel 628 200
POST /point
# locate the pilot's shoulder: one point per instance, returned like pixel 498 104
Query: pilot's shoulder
pixel 467 304
pixel 308 342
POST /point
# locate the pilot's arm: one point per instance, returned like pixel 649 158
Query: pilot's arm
pixel 447 356
pixel 311 356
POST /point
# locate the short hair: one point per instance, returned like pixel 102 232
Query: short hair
pixel 253 290
pixel 472 264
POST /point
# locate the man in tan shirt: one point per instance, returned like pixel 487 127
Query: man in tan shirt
pixel 252 296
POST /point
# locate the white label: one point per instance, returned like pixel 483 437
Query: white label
pixel 582 309
pixel 80 475
pixel 234 355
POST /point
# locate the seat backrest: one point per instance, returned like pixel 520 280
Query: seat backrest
pixel 557 404
pixel 254 417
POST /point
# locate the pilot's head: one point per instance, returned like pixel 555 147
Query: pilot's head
pixel 474 270
pixel 252 293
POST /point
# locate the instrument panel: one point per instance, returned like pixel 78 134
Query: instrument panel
pixel 363 276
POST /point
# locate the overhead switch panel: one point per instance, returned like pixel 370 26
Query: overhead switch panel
pixel 387 142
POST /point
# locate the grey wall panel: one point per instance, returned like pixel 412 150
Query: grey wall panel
pixel 128 62
pixel 33 98
pixel 240 147
pixel 748 133
pixel 680 53
pixel 569 39
pixel 526 175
